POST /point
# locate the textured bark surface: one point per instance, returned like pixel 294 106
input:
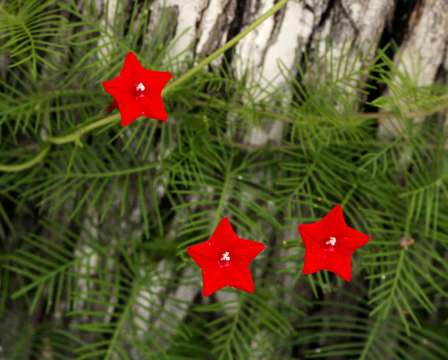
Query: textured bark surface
pixel 420 29
pixel 423 53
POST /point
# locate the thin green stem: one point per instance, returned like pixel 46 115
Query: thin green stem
pixel 370 340
pixel 27 164
pixel 114 173
pixel 75 136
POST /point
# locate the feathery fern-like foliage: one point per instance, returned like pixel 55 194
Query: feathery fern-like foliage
pixel 93 236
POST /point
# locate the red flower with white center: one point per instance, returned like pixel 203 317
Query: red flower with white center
pixel 330 244
pixel 138 91
pixel 225 259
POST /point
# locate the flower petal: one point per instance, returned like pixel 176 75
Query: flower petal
pixel 132 67
pixel 154 108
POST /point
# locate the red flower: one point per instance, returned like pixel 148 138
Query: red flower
pixel 224 259
pixel 138 91
pixel 330 244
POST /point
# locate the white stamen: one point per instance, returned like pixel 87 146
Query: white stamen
pixel 140 86
pixel 225 256
pixel 331 241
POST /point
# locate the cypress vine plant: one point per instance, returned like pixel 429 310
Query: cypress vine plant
pixel 95 219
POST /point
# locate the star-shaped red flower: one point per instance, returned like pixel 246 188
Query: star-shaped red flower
pixel 225 259
pixel 138 91
pixel 330 243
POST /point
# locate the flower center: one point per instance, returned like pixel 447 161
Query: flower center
pixel 330 243
pixel 140 89
pixel 224 259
